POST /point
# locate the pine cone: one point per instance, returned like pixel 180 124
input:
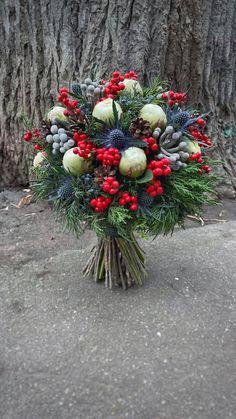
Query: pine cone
pixel 45 125
pixel 140 128
pixel 101 172
pixel 79 123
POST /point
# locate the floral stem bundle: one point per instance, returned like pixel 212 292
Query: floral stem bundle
pixel 122 160
pixel 117 261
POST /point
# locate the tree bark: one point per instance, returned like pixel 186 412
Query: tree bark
pixel 45 44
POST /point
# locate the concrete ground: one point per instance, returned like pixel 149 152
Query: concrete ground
pixel 71 349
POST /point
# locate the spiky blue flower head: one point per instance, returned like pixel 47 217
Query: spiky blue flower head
pixel 181 119
pixel 66 190
pixel 119 139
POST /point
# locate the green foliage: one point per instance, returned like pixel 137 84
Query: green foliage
pixel 131 106
pixel 157 86
pixel 68 215
pixel 27 123
pixel 147 177
pixel 118 215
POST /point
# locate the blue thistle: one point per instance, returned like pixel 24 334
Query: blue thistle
pixel 119 139
pixel 75 88
pixel 66 191
pixel 181 119
pixel 145 201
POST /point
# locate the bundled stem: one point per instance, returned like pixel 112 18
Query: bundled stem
pixel 117 261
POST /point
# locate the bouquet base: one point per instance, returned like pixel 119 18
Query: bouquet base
pixel 117 261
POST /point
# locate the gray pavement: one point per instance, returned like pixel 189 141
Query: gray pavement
pixel 72 349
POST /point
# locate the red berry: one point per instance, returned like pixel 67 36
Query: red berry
pixel 157 172
pixel 121 86
pixel 152 193
pixel 93 202
pixel 122 201
pixel 110 179
pixel 106 187
pixel 115 184
pixel 28 135
pixel 206 168
pixel 154 147
pixel 159 190
pixel 200 121
pixel 167 171
pixel 133 207
pixel 38 147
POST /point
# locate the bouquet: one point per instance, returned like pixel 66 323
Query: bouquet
pixel 122 160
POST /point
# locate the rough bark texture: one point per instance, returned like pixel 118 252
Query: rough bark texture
pixel 45 43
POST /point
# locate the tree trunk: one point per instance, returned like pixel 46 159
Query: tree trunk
pixel 44 44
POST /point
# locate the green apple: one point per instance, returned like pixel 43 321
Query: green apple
pixel 155 115
pixel 56 114
pixel 75 164
pixel 132 87
pixel 192 147
pixel 104 111
pixel 133 162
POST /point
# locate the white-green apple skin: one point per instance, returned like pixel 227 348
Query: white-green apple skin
pixel 133 162
pixel 104 111
pixel 75 164
pixel 132 87
pixel 39 159
pixel 155 115
pixel 192 147
pixel 56 114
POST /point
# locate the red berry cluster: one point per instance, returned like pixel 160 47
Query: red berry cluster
pixel 174 98
pixel 108 157
pixel 114 86
pixel 84 149
pixel 111 185
pixel 155 188
pixel 152 145
pixel 35 137
pixel 198 135
pixel 197 157
pixel 77 136
pixel 101 203
pixel 126 198
pixel 71 105
pixel 160 167
pixel 131 75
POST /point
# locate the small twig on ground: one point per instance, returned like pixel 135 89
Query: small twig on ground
pixel 197 218
pixel 207 220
